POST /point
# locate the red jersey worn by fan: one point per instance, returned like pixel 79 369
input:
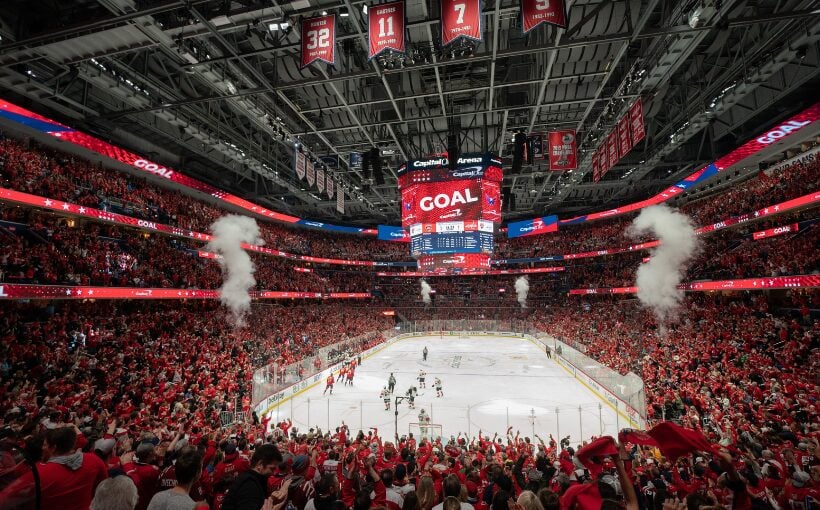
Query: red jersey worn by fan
pixel 145 477
pixel 66 482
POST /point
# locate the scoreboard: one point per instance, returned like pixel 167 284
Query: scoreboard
pixel 451 211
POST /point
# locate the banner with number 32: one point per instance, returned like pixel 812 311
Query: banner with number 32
pixel 319 39
pixel 535 12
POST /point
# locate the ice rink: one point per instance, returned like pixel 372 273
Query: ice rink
pixel 489 383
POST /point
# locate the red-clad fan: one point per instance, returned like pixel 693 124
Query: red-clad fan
pixel 144 472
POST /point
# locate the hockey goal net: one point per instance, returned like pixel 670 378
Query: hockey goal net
pixel 429 431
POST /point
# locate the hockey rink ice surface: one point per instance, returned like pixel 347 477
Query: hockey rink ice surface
pixel 488 383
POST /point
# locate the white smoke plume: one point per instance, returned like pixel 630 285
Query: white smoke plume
pixel 658 279
pixel 229 232
pixel 425 292
pixel 522 288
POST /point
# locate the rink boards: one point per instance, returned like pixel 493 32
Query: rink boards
pixel 299 401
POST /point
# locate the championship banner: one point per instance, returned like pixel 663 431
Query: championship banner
pixel 386 28
pixel 340 200
pixel 636 121
pixel 612 149
pixel 624 137
pixel 329 186
pixel 311 173
pixel 603 162
pixel 460 18
pixel 535 12
pixel 300 164
pixel 320 179
pixel 563 151
pixel 319 39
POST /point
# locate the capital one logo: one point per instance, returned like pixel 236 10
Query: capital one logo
pixel 443 200
pixel 782 131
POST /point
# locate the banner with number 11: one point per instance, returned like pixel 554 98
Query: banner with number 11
pixel 386 28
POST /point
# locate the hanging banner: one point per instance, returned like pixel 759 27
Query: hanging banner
pixel 460 18
pixel 319 39
pixel 311 173
pixel 603 162
pixel 596 170
pixel 537 144
pixel 320 179
pixel 355 160
pixel 612 149
pixel 300 164
pixel 340 200
pixel 624 137
pixel 386 28
pixel 535 12
pixel 563 150
pixel 330 186
pixel 636 121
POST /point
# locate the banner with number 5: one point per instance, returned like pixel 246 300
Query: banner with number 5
pixel 319 39
pixel 460 18
pixel 535 12
pixel 386 28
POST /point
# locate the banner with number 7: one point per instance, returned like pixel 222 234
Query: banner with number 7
pixel 535 12
pixel 319 39
pixel 460 18
pixel 386 28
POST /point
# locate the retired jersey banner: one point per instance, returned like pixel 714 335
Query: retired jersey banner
pixel 300 164
pixel 320 179
pixel 535 12
pixel 636 121
pixel 319 39
pixel 386 28
pixel 563 150
pixel 311 173
pixel 624 137
pixel 460 18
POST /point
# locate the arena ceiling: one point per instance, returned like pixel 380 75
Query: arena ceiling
pixel 208 87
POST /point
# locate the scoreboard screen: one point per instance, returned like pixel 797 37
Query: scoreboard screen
pixel 449 211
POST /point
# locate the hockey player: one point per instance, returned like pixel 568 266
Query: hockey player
pixel 391 383
pixel 424 353
pixel 424 419
pixel 411 397
pixel 329 384
pixel 422 375
pixel 439 392
pixel 385 394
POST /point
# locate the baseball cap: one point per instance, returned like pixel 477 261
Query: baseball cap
pixel 105 446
